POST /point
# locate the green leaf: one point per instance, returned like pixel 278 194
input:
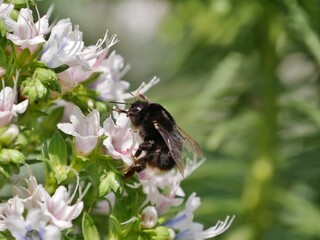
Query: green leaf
pixel 23 3
pixel 61 68
pixel 115 228
pixel 49 124
pixel 159 233
pixel 11 156
pixel 110 181
pixel 61 173
pixel 38 86
pixel 10 67
pixel 89 229
pixel 3 58
pixel 6 236
pixel 23 58
pixel 34 89
pixel 40 64
pixel 3 29
pixel 57 150
pixel 7 170
pixel 104 186
pixel 48 78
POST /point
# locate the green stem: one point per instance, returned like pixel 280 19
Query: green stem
pixel 257 195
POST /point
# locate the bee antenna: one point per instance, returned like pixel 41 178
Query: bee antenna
pixel 129 92
pixel 119 102
pixel 119 110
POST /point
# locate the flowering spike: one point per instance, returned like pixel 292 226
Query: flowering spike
pixel 51 63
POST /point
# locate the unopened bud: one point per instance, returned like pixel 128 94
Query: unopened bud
pixel 8 134
pixel 149 217
pixel 2 71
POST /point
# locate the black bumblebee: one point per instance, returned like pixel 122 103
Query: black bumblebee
pixel 163 140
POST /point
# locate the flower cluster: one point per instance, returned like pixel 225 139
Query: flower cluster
pixel 34 214
pixel 56 114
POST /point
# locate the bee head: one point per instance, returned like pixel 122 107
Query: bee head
pixel 137 112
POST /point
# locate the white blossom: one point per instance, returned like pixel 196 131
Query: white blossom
pixel 71 77
pixel 32 194
pixel 58 208
pixel 110 84
pixel 63 45
pixel 92 56
pixel 35 226
pixel 189 230
pixel 5 9
pixel 85 129
pixel 144 87
pixel 14 207
pixel 121 142
pixel 154 186
pixel 25 32
pixel 90 61
pixel 7 107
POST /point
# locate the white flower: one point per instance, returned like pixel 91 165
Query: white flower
pixel 14 207
pixel 71 77
pixel 33 194
pixel 121 142
pixel 67 109
pixel 189 230
pixel 92 56
pixel 7 107
pixel 144 87
pixel 162 201
pixel 154 186
pixel 35 226
pixel 149 217
pixel 110 84
pixel 90 60
pixel 25 32
pixel 65 46
pixel 58 208
pixel 5 9
pixel 62 45
pixel 85 129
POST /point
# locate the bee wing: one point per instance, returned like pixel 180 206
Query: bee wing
pixel 189 142
pixel 174 143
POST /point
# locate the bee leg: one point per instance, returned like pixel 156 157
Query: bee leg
pixel 139 164
pixel 146 145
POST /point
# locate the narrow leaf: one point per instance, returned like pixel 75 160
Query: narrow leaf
pixel 57 150
pixel 89 229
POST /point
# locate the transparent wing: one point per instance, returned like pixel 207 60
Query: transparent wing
pixel 174 142
pixel 189 143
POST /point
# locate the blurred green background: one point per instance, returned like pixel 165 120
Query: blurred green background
pixel 242 77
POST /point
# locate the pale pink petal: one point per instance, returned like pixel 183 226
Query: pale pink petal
pixel 21 107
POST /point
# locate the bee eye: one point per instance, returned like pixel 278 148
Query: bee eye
pixel 135 109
